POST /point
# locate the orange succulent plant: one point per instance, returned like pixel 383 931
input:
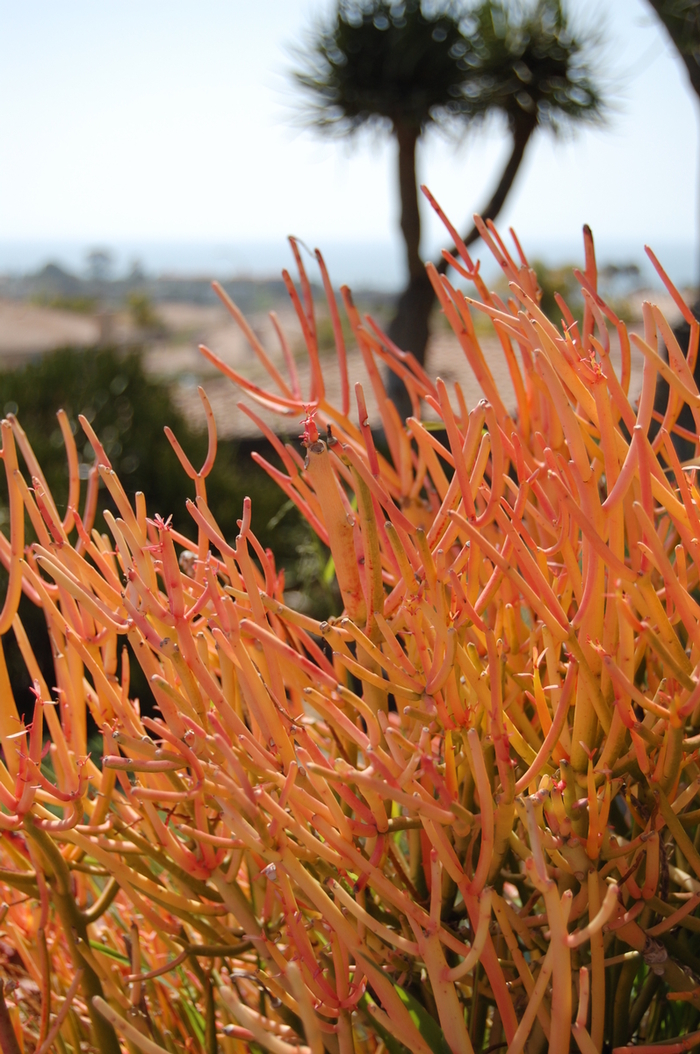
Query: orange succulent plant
pixel 459 816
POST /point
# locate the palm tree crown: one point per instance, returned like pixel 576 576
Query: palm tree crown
pixel 533 66
pixel 379 62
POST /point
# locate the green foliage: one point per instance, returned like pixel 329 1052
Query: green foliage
pixel 126 408
pixel 142 312
pixel 129 410
pixel 559 280
pixel 425 1023
pixel 326 335
pixel 614 282
pixel 81 305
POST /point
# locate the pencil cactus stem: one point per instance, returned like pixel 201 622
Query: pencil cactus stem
pixel 338 335
pixel 597 922
pixel 76 932
pixel 340 530
pixel 255 344
pixel 372 561
pixel 482 930
pixel 486 808
pixel 14 587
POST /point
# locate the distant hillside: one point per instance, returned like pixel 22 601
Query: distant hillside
pixel 54 286
pixel 53 283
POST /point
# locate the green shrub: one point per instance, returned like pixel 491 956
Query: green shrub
pixel 129 410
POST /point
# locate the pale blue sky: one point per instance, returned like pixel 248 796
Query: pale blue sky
pixel 168 120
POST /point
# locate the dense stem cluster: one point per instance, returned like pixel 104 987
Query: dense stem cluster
pixel 461 816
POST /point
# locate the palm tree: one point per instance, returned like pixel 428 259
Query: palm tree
pixel 395 67
pixel 405 67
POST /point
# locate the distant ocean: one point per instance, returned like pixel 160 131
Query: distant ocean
pixel 362 265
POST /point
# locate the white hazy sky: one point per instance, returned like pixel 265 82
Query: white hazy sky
pixel 169 120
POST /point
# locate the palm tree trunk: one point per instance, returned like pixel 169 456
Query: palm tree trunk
pixel 521 137
pixel 682 27
pixel 410 327
pixel 407 140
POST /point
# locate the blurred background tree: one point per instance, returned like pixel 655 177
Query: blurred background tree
pixel 681 19
pixel 406 67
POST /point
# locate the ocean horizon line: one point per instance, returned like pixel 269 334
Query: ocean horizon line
pixel 368 264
